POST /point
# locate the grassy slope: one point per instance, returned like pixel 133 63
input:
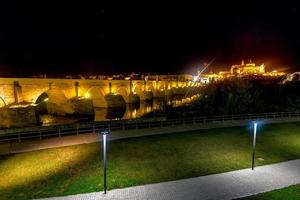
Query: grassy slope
pixel 78 169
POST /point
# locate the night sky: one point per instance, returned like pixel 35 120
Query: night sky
pixel 145 36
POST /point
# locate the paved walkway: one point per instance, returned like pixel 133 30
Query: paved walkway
pixel 36 144
pixel 230 185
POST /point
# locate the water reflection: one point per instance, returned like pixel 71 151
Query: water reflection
pixel 131 111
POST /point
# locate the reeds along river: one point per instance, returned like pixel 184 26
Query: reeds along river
pixel 131 111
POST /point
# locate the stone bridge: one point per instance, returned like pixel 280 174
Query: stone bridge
pixel 102 93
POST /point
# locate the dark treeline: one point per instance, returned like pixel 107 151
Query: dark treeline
pixel 242 96
pixel 237 96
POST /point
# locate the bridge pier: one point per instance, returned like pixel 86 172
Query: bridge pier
pixel 17 92
pixel 115 100
pixel 146 96
pixel 133 98
pixel 159 94
pixel 76 88
pixel 169 93
pixel 18 116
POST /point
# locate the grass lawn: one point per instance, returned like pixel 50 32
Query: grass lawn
pixel 289 193
pixel 150 159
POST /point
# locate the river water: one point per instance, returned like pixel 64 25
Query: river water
pixel 131 111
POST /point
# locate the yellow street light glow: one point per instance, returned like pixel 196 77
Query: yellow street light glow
pixel 87 95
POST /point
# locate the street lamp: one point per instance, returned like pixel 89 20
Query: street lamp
pixel 104 133
pixel 254 143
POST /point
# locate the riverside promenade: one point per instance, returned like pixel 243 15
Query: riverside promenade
pixel 38 144
pixel 224 186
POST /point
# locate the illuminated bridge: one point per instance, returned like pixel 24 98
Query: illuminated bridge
pixel 66 96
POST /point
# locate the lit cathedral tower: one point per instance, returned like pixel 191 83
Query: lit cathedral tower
pixel 247 69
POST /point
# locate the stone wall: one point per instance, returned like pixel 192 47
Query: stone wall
pixel 18 117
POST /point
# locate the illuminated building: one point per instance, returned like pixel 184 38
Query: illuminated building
pixel 206 78
pixel 247 69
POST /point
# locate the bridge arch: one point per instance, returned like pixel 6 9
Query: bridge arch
pixel 138 88
pixel 161 87
pixel 53 95
pixel 151 88
pixel 123 91
pixel 2 102
pixel 41 98
pixel 57 102
pixel 97 95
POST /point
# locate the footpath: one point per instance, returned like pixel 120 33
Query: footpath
pixel 224 186
pixel 37 144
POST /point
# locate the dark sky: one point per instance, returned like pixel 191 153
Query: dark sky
pixel 59 37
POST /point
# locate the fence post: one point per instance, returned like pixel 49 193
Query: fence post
pixel 94 129
pixel 59 131
pixel 19 137
pixel 136 125
pixel 40 134
pixel 123 125
pixel 149 124
pixel 77 127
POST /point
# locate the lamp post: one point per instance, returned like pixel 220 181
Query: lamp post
pixel 104 133
pixel 254 143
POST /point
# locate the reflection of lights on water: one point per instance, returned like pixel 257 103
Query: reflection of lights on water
pixel 49 120
pixel 148 109
pixel 134 113
pixel 130 113
pixel 184 101
pixel 87 95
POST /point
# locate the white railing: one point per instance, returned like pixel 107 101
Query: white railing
pixel 10 135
